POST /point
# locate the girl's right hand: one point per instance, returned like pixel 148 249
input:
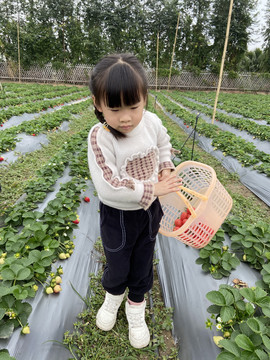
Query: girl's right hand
pixel 168 185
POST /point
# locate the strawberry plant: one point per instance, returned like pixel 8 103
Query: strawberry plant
pixel 251 242
pixel 242 315
pixel 216 258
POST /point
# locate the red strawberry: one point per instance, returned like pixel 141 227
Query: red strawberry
pixel 86 199
pixel 76 221
pixel 176 228
pixel 33 134
pixel 184 221
pixel 1 158
pixel 1 125
pixel 183 216
pixel 187 126
pixel 178 223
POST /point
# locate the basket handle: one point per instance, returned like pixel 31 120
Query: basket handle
pixel 187 203
pixel 195 193
pixel 185 200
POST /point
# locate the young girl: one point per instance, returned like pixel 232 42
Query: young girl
pixel 129 155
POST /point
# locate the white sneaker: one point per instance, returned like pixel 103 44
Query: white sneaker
pixel 139 335
pixel 106 315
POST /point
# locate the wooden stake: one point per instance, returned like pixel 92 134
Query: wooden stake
pixel 157 60
pixel 169 80
pixel 18 39
pixel 222 60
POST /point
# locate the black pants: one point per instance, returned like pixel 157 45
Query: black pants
pixel 128 239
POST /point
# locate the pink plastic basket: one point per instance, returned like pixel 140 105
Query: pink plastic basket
pixel 207 201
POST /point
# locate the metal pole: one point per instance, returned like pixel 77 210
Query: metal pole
pixel 223 59
pixel 169 80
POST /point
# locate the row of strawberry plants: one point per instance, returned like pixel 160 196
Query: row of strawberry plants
pixel 254 106
pixel 18 100
pixel 14 90
pixel 261 132
pixel 231 145
pixel 241 315
pixel 46 122
pixel 26 255
pixel 40 106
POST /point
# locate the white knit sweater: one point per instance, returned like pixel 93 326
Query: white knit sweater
pixel 124 170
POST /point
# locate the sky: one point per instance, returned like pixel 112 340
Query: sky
pixel 257 37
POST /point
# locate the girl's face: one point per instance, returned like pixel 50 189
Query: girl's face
pixel 125 118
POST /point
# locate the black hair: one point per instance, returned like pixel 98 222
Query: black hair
pixel 118 79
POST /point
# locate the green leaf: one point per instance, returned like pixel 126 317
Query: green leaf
pixel 23 274
pixel 216 298
pixel 241 305
pixel 226 265
pixel 261 354
pixel 226 356
pixel 245 329
pixel 213 309
pixel 234 261
pixel 255 325
pixel 264 302
pixel 217 275
pixel 259 293
pixel 237 237
pixel 248 294
pixel 20 294
pixel 266 311
pixel 266 341
pixel 267 267
pixel 2 313
pixel 227 295
pixel 34 256
pixel 199 261
pixel 214 258
pixel 244 342
pixel 204 253
pixel 7 274
pixel 230 346
pixel 256 339
pixel 266 278
pixel 6 329
pixel 4 290
pixel 249 309
pixel 227 313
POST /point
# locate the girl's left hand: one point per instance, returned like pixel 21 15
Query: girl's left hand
pixel 164 174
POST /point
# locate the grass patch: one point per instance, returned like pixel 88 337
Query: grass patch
pixel 88 342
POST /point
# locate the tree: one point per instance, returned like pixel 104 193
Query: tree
pixel 239 36
pixel 194 47
pixel 8 30
pixel 266 53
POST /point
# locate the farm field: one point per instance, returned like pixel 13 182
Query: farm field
pixel 49 235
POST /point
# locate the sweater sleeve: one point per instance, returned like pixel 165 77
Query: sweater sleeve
pixel 165 148
pixel 111 187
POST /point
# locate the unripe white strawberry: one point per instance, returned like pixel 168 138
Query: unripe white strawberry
pixel 58 280
pixel 26 330
pixel 49 290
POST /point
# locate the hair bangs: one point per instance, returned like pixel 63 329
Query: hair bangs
pixel 123 86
